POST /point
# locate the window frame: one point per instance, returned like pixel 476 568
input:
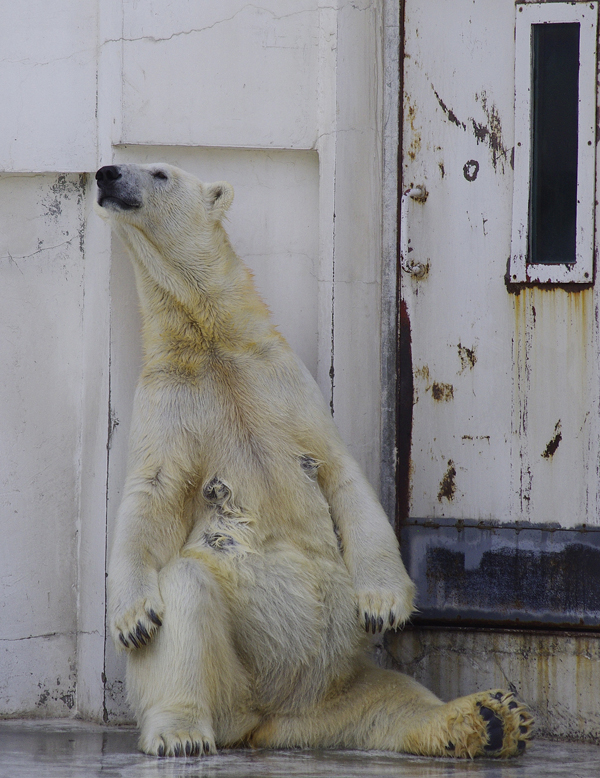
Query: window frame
pixel 582 270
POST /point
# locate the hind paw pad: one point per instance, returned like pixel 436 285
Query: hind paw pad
pixel 508 724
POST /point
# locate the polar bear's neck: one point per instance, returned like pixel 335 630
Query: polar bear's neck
pixel 192 308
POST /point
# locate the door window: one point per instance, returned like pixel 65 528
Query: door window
pixel 555 75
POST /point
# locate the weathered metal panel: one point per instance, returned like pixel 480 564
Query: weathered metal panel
pixel 555 406
pixel 470 573
pixel 458 139
pixel 506 417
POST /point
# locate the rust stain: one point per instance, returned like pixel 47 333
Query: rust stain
pixel 422 372
pixel 554 443
pixel 415 141
pixel 553 341
pixel 467 357
pixel 442 392
pixel 447 484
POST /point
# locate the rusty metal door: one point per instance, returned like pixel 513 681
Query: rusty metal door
pixel 499 423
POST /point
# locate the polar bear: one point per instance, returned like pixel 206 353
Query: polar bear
pixel 251 556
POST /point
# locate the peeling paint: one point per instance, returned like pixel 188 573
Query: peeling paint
pixel 448 111
pixel 62 190
pixel 471 170
pixel 467 357
pixel 53 693
pixel 492 134
pixel 489 133
pixel 447 484
pixel 554 443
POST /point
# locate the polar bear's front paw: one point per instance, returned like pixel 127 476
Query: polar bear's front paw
pixel 174 735
pixel 383 611
pixel 192 743
pixel 137 626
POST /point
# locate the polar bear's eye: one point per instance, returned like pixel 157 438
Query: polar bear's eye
pixel 159 174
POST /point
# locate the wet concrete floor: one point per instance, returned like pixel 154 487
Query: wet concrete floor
pixel 71 749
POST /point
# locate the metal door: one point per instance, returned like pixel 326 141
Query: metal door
pixel 499 420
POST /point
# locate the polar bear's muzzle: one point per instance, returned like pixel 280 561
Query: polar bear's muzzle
pixel 116 190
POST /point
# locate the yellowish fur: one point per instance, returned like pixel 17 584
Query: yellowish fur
pixel 250 552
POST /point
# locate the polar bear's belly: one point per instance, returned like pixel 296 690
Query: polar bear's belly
pixel 291 603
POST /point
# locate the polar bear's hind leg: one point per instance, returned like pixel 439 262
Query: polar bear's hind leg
pixel 389 711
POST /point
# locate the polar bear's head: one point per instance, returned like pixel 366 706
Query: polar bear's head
pixel 168 219
pixel 161 201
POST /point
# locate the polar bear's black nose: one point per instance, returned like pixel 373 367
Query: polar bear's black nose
pixel 107 175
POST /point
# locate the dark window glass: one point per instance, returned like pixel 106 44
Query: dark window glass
pixel 553 207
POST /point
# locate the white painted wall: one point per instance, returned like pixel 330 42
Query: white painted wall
pixel 41 265
pixel 284 100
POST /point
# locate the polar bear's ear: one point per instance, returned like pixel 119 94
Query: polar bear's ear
pixel 219 197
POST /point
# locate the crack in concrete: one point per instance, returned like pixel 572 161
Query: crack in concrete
pixel 195 30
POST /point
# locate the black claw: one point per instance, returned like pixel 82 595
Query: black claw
pixel 161 750
pixel 123 640
pixel 373 624
pixel 177 749
pixel 188 748
pixel 206 747
pixel 142 634
pixel 196 748
pixel 392 618
pixel 379 624
pixel 132 639
pixel 450 747
pixel 154 618
pixel 367 622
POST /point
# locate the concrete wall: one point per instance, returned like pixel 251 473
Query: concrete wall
pixel 285 100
